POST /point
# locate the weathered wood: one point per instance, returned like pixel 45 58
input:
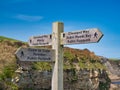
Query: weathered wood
pixel 57 77
pixel 92 35
pixel 42 40
pixel 35 54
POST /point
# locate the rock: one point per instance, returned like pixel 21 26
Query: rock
pixel 82 79
pixel 19 70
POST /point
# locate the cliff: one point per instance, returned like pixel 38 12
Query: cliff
pixel 113 68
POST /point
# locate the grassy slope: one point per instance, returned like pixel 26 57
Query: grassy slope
pixel 114 59
pixel 2 38
pixel 81 58
pixel 8 47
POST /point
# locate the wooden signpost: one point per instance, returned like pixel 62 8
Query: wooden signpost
pixel 35 54
pixel 42 40
pixel 57 39
pixel 81 37
pixel 57 77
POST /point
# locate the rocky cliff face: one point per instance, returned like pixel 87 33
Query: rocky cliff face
pixel 113 66
pixel 113 69
pixel 83 79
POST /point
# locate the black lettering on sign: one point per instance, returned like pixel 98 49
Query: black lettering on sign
pixel 69 37
pixel 46 50
pixel 88 35
pixel 71 41
pixel 32 50
pixel 82 36
pixel 39 54
pixel 83 40
pixel 40 40
pixel 85 31
pixel 31 58
pixel 44 36
pixel 74 33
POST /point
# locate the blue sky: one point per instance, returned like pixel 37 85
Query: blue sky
pixel 20 19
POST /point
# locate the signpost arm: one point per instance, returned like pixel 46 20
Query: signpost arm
pixel 57 77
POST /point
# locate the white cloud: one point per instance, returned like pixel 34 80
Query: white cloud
pixel 28 17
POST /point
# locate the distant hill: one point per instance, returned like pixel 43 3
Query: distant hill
pixel 114 59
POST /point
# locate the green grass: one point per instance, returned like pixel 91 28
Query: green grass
pixel 68 55
pixel 41 66
pixel 2 38
pixel 6 76
pixel 91 65
pixel 8 71
pixel 114 59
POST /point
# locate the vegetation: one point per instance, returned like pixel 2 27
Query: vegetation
pixel 8 71
pixel 82 58
pixel 6 76
pixel 8 64
pixel 2 38
pixel 43 66
pixel 114 59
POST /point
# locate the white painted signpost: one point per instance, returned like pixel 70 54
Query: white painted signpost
pixel 81 37
pixel 42 40
pixel 35 54
pixel 57 39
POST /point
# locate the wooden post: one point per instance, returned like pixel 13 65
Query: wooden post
pixel 57 77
